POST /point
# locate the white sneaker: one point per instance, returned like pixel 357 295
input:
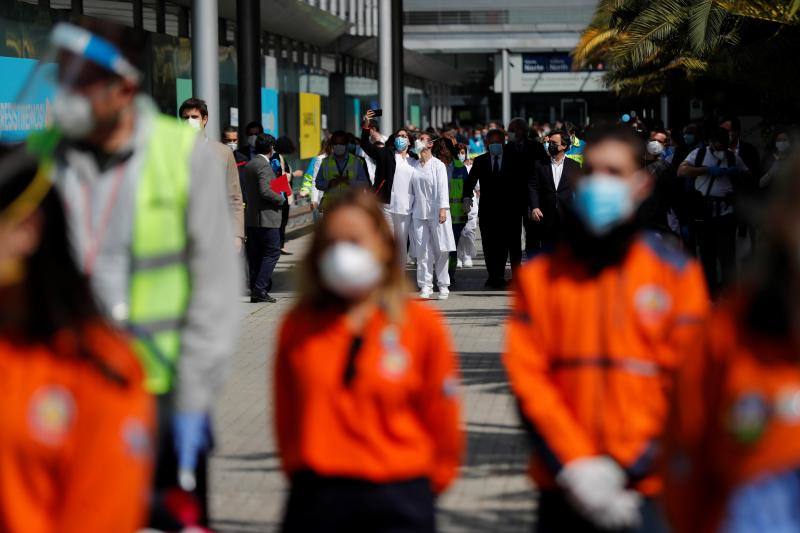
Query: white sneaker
pixel 459 263
pixel 468 262
pixel 444 293
pixel 425 294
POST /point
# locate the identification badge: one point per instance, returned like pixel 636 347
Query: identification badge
pixel 395 359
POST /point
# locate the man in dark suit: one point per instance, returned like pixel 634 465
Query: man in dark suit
pixel 262 219
pixel 523 153
pixel 551 189
pixel 498 211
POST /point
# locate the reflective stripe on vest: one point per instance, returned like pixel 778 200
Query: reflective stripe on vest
pixel 159 283
pixel 456 185
pixel 331 171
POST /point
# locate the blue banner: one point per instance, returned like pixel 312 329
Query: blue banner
pixel 21 114
pixel 269 111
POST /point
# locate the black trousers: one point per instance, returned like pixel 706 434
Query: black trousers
pixel 166 475
pixel 263 252
pixel 501 236
pixel 556 515
pixel 716 239
pixel 340 505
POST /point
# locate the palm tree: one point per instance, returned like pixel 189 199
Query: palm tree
pixel 643 43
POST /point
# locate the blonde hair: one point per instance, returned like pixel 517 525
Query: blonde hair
pixel 393 288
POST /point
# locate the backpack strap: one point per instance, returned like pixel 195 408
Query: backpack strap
pixel 701 155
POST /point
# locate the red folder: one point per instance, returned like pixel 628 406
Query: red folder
pixel 281 185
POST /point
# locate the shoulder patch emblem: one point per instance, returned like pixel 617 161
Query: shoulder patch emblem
pixel 51 413
pixel 652 302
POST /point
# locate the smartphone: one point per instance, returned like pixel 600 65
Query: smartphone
pixel 377 112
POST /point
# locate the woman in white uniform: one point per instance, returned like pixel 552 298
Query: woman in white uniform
pixel 431 226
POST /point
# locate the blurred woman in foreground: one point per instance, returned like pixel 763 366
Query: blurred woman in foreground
pixel 366 386
pixel 75 431
pixel 736 460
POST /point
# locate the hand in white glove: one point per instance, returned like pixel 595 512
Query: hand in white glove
pixel 596 488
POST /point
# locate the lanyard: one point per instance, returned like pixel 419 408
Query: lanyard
pixel 95 238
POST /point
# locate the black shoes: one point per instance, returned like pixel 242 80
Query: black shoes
pixel 496 284
pixel 262 298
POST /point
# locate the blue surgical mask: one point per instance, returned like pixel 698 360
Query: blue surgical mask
pixel 688 138
pixel 496 149
pixel 603 202
pixel 400 143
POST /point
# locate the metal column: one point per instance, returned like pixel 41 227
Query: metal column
pixel 505 76
pixel 205 60
pixel 385 66
pixel 248 56
pixel 398 100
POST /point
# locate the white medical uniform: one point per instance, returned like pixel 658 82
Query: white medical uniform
pixel 398 211
pixel 432 240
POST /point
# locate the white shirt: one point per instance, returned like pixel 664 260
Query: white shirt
pixel 429 189
pixel 557 167
pixel 401 186
pixel 722 185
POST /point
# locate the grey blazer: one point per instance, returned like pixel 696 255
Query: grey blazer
pixel 262 204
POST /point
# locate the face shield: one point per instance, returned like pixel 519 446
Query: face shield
pixel 70 81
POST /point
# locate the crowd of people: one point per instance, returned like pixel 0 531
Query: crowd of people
pixel 657 391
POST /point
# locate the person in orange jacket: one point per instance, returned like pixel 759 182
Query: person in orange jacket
pixel 735 457
pixel 75 430
pixel 366 386
pixel 597 330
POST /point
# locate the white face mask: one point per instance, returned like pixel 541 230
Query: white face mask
pixel 251 140
pixel 349 270
pixel 420 146
pixel 233 145
pixel 462 157
pixel 782 146
pixel 194 123
pixel 655 148
pixel 720 154
pixel 72 115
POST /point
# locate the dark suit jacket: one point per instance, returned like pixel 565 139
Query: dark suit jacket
pixel 544 195
pixel 497 190
pixel 521 162
pixel 263 205
pixel 384 166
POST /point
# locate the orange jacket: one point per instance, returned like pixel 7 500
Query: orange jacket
pixel 397 419
pixel 75 447
pixel 590 358
pixel 738 417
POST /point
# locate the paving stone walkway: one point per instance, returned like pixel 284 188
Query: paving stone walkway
pixel 492 493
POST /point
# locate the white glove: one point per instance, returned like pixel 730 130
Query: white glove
pixel 596 488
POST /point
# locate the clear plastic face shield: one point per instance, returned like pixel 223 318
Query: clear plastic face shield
pixel 75 83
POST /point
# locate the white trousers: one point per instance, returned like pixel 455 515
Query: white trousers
pixel 401 226
pixel 466 244
pixel 429 258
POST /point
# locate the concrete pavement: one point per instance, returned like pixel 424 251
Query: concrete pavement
pixel 492 493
